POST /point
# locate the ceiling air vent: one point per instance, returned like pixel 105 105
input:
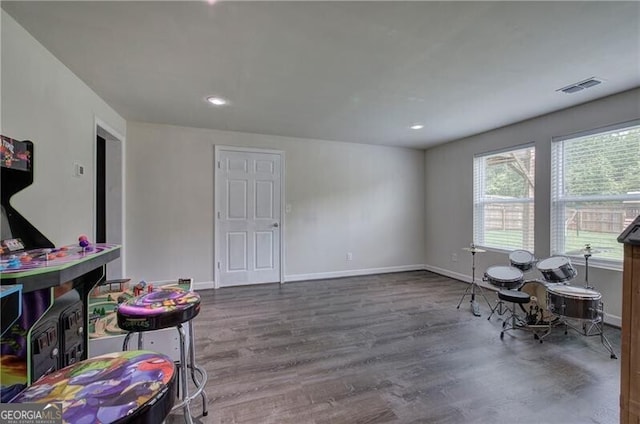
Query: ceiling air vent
pixel 579 86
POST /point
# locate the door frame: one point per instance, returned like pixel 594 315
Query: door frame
pixel 217 201
pixel 117 140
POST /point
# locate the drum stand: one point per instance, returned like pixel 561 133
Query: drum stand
pixel 475 308
pixel 587 255
pixel 596 324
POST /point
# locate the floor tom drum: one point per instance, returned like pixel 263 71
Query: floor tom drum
pixel 573 302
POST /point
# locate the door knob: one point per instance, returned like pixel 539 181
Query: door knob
pixel 276 225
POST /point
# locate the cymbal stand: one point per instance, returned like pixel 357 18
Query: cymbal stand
pixel 598 322
pixel 475 308
pixel 587 255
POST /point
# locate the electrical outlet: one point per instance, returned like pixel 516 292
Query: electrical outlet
pixel 349 256
pixel 454 257
pixel 78 169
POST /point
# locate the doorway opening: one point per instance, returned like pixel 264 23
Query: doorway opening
pixel 109 193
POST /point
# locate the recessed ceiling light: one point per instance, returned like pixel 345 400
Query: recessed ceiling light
pixel 217 101
pixel 416 126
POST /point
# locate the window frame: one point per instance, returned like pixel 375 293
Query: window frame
pixel 481 200
pixel 557 201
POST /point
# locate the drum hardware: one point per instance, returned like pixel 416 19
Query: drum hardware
pixel 475 308
pixel 534 317
pixel 500 308
pixel 581 304
pixel 588 328
pixel 587 255
pixel 598 325
pixel 515 321
pixel 536 310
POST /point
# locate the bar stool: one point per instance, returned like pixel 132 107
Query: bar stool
pixel 116 388
pixel 165 308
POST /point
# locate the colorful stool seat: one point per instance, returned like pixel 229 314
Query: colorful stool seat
pixel 122 387
pixel 159 309
pixel 168 307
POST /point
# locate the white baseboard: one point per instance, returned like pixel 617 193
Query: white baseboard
pixel 203 285
pixel 206 285
pixel 352 273
pixel 613 320
pixel 448 273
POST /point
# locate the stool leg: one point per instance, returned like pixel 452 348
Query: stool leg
pixel 510 322
pixel 192 361
pixel 125 343
pixel 498 308
pixel 183 376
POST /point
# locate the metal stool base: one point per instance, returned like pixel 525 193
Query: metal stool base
pixel 184 366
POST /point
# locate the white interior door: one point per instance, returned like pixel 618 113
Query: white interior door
pixel 248 213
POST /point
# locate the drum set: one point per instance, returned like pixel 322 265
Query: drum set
pixel 551 302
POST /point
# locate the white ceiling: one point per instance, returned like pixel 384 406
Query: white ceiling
pixel 348 71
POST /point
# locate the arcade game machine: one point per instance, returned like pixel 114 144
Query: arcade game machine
pixel 44 288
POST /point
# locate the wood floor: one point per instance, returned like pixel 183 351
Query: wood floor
pixel 391 348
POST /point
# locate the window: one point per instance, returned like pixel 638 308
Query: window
pixel 595 191
pixel 503 193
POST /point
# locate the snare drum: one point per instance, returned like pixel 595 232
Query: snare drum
pixel 557 269
pixel 536 309
pixel 506 277
pixel 573 302
pixel 522 259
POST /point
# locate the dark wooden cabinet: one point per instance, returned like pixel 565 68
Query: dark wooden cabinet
pixel 630 336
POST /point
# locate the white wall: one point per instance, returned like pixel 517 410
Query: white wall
pixel 1 31
pixel 368 200
pixel 43 101
pixel 449 190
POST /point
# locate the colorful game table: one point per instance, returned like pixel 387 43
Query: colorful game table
pixel 44 276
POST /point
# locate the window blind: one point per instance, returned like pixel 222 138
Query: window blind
pixel 595 191
pixel 503 188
